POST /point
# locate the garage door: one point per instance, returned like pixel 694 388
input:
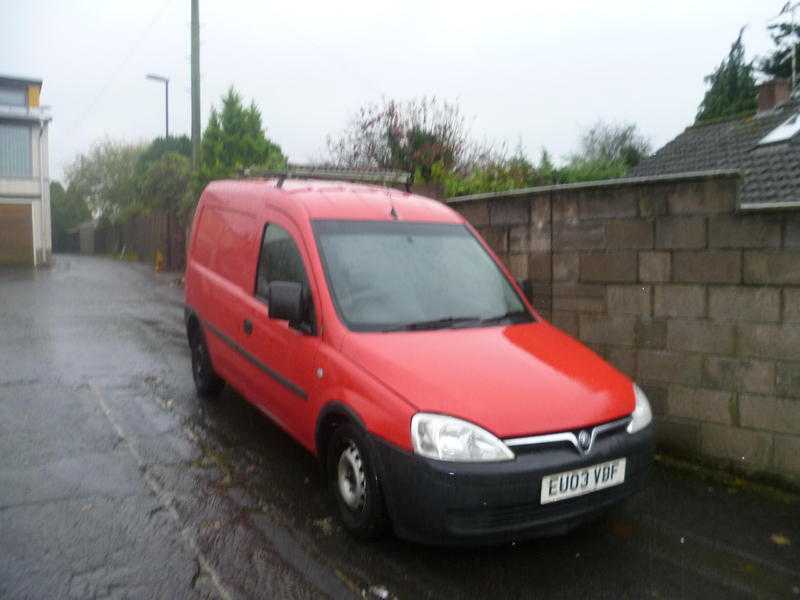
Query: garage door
pixel 16 234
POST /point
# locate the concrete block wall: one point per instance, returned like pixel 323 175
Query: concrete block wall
pixel 664 278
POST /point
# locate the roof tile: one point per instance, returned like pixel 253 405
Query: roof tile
pixel 769 173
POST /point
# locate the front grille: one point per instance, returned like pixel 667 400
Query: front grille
pixel 524 445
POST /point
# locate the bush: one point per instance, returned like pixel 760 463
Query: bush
pixel 607 151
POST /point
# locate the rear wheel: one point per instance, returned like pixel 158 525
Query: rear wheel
pixel 354 482
pixel 206 381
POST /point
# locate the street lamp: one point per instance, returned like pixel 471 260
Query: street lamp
pixel 165 81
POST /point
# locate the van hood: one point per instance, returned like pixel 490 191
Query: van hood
pixel 513 381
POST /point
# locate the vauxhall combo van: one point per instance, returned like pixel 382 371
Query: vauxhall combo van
pixel 380 331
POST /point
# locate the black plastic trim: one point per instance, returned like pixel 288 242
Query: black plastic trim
pixel 334 406
pixel 441 503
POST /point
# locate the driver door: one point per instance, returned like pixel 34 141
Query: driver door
pixel 282 365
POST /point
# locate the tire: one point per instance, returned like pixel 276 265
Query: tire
pixel 354 482
pixel 206 380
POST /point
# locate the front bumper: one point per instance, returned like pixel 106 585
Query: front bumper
pixel 471 503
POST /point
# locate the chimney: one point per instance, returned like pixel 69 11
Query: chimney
pixel 773 93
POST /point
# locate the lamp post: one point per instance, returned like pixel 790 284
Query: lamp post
pixel 165 81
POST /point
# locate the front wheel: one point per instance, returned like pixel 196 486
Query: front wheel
pixel 354 481
pixel 206 381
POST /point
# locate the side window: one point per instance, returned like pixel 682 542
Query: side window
pixel 279 260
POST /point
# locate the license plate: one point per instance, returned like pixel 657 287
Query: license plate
pixel 560 486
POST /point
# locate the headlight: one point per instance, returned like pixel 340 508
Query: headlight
pixel 642 415
pixel 451 439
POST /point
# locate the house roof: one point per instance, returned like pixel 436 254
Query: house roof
pixel 6 79
pixel 770 172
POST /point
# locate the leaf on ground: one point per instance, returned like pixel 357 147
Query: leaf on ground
pixel 325 525
pixel 779 539
pixel 621 529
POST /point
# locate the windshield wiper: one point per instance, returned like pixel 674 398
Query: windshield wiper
pixel 442 323
pixel 509 316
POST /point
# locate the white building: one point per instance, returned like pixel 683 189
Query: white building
pixel 25 223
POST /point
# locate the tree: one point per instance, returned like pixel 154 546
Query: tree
pixel 410 136
pixel 612 143
pixel 105 179
pixel 607 151
pixel 68 211
pixel 159 147
pixel 785 35
pixel 546 171
pixel 166 185
pixel 235 139
pixel 733 87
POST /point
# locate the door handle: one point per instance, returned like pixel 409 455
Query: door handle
pixel 248 327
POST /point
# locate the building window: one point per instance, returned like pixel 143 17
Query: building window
pixel 783 132
pixel 13 96
pixel 15 150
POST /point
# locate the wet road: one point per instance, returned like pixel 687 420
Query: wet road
pixel 116 481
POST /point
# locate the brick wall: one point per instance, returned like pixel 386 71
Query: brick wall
pixel 698 303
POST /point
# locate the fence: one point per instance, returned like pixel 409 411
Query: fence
pixel 699 303
pixel 143 236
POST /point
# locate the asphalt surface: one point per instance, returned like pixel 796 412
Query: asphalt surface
pixel 116 481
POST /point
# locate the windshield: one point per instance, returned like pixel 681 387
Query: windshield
pixel 388 276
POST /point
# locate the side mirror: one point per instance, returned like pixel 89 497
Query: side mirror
pixel 285 301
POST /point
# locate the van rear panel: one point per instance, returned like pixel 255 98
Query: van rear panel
pixel 227 244
pixel 220 273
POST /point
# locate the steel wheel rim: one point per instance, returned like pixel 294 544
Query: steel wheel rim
pixel 351 479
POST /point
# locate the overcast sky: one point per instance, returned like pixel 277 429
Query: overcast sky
pixel 525 70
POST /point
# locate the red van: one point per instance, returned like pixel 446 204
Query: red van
pixel 381 332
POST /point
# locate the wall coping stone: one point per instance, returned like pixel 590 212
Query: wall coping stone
pixel 769 206
pixel 603 184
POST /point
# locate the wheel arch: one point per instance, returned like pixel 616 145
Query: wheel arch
pixel 333 414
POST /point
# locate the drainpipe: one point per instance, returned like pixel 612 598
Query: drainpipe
pixel 43 224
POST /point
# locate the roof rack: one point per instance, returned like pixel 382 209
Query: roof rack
pixel 333 174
